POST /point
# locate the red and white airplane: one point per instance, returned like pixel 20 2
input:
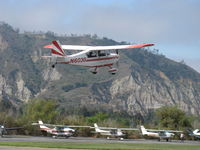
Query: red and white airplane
pixel 58 130
pixel 89 56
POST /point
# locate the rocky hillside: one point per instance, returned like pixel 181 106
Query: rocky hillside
pixel 146 79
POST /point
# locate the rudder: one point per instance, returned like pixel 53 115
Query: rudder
pixel 57 49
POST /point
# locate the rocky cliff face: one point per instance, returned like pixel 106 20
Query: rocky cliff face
pixel 146 80
pixel 136 94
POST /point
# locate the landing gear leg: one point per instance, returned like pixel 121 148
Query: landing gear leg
pixel 111 70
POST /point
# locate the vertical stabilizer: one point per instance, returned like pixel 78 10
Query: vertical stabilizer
pixel 96 128
pixel 57 49
pixel 42 126
pixel 144 131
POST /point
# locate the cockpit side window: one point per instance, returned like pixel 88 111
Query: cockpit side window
pixel 92 54
pixel 101 53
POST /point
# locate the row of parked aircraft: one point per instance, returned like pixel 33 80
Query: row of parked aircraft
pixel 67 131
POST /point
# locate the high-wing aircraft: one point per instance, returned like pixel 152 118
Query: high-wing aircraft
pixel 160 134
pixel 4 130
pixel 111 132
pixel 195 133
pixel 89 56
pixel 58 130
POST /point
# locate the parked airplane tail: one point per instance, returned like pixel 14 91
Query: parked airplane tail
pixel 144 131
pixel 96 127
pixel 57 50
pixel 195 131
pixel 42 126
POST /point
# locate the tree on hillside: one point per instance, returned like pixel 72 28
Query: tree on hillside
pixel 98 117
pixel 173 118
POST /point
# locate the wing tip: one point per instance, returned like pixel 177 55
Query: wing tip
pixel 140 45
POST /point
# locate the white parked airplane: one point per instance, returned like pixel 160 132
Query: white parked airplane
pixel 111 132
pixel 89 56
pixel 160 134
pixel 195 133
pixel 58 130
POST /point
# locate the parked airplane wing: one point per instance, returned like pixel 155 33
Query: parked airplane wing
pixel 72 126
pixel 155 130
pixel 53 125
pixel 14 128
pixel 110 128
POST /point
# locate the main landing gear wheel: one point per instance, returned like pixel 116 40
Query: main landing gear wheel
pixel 93 70
pixel 113 71
pixel 53 66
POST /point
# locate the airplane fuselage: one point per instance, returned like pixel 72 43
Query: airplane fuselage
pixel 61 132
pixel 86 60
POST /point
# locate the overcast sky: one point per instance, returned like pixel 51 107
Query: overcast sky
pixel 173 25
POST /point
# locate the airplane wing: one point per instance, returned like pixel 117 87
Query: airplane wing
pixel 14 128
pixel 129 129
pixel 72 126
pixel 53 125
pixel 155 130
pixel 110 128
pixel 117 47
pixel 97 48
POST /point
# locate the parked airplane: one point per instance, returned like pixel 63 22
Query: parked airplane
pixel 160 134
pixel 89 56
pixel 58 130
pixel 4 130
pixel 111 132
pixel 195 133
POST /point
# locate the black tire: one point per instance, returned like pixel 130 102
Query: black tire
pixel 53 66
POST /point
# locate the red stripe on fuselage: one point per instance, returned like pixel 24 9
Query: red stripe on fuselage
pixel 85 65
pixel 92 60
pixel 99 59
pixel 105 65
